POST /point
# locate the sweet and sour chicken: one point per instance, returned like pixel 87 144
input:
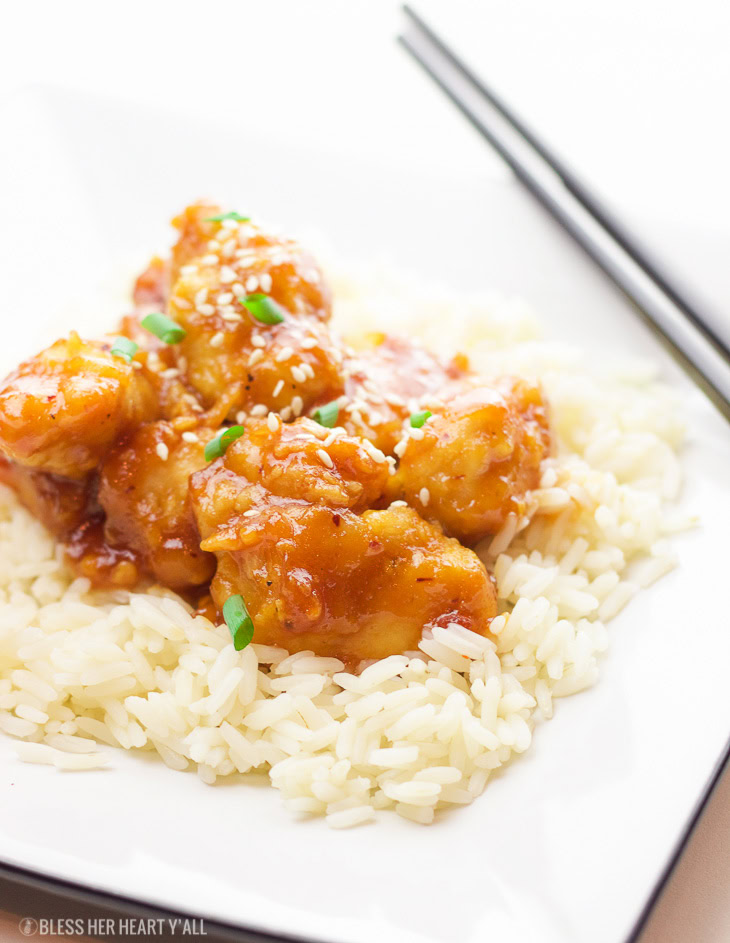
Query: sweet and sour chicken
pixel 229 445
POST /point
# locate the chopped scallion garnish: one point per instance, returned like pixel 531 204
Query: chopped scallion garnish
pixel 239 622
pixel 327 415
pixel 218 445
pixel 163 327
pixel 123 347
pixel 263 308
pixel 418 419
pixel 219 219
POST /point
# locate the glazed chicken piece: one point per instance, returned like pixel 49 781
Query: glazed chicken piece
pixel 286 514
pixel 63 504
pixel 385 384
pixel 233 360
pixel 143 488
pixel 473 462
pixel 64 409
pixel 279 265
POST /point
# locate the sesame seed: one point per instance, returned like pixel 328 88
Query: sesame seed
pixel 400 447
pixel 163 451
pixel 231 316
pixel 259 410
pixel 356 415
pixel 205 309
pixel 137 365
pixel 424 496
pixel 201 296
pixel 297 405
pixel 237 289
pixel 374 453
pixel 211 259
pixel 257 340
pixel 192 402
pixel 394 399
pixel 252 513
pixel 308 343
pixel 335 354
pixel 214 245
pixel 285 413
pixel 278 388
pixel 228 248
pixel 308 370
pixel 272 421
pixel 170 373
pixel 398 504
pixel 190 437
pixel 265 282
pixel 180 302
pixel 257 355
pixel 416 433
pixel 298 374
pixel 324 458
pixel 227 275
pixel 188 269
pixel 241 416
pixel 284 354
pixel 217 339
pixel 229 224
pixel 252 283
pixel 391 464
pixel 224 298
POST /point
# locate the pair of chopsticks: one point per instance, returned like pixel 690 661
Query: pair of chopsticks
pixel 699 340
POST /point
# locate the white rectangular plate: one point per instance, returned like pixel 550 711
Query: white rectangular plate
pixel 568 844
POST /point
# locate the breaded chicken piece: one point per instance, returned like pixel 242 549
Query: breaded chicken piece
pixel 281 268
pixel 143 488
pixel 286 514
pixel 61 503
pixel 231 358
pixel 384 383
pixel 62 410
pixel 475 459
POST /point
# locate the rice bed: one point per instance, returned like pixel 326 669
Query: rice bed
pixel 83 670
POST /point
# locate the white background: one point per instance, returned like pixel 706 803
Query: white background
pixel 635 94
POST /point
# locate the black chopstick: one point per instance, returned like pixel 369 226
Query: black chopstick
pixel 699 343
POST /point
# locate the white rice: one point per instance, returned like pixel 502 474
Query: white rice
pixel 414 733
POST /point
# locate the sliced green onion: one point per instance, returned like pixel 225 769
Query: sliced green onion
pixel 327 415
pixel 263 308
pixel 418 419
pixel 238 620
pixel 164 328
pixel 219 219
pixel 218 445
pixel 123 347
